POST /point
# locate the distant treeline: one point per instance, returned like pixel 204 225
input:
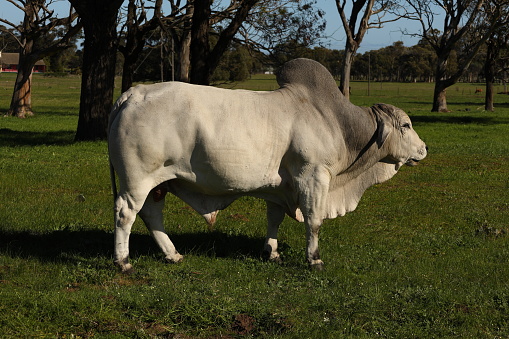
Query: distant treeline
pixel 395 63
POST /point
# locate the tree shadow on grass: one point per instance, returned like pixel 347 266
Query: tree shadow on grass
pixel 11 138
pixel 62 111
pixel 68 246
pixel 458 119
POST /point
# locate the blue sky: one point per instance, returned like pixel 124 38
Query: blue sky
pixel 374 39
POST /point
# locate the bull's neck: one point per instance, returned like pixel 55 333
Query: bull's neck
pixel 363 148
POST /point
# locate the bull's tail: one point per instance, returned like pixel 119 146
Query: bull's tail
pixel 113 114
pixel 113 183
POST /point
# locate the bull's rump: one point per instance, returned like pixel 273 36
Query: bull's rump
pixel 222 141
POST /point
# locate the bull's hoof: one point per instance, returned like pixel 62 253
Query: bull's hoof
pixel 128 270
pixel 316 265
pixel 124 266
pixel 275 258
pixel 174 259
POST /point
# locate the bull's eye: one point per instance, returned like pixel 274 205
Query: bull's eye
pixel 407 125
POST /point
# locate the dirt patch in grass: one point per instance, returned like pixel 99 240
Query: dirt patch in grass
pixel 243 324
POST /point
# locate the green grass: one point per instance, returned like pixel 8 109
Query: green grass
pixel 425 255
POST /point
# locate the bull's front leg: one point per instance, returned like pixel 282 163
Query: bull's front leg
pixel 275 216
pixel 313 201
pixel 313 253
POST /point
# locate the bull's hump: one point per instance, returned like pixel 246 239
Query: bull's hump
pixel 309 75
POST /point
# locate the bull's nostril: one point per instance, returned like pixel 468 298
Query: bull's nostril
pixel 426 148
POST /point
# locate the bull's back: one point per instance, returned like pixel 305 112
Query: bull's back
pixel 220 140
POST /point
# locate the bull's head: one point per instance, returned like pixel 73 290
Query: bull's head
pixel 395 132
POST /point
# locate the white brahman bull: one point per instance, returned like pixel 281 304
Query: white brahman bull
pixel 304 149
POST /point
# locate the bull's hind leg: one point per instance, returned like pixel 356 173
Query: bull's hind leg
pixel 152 215
pixel 125 214
pixel 275 216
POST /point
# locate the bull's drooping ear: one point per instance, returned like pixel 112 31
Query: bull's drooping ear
pixel 384 126
pixel 383 131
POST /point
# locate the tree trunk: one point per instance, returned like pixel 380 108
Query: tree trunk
pixel 488 104
pixel 489 72
pixel 228 33
pixel 344 84
pixel 135 40
pixel 128 72
pixel 185 50
pixel 203 60
pixel 440 93
pixel 185 58
pixel 98 77
pixel 200 48
pixel 130 47
pixel 97 82
pixel 21 102
pixel 440 97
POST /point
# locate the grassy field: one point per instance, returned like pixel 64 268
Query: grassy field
pixel 425 255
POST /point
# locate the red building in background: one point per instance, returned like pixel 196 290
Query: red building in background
pixel 9 63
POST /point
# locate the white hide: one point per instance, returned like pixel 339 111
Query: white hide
pixel 303 148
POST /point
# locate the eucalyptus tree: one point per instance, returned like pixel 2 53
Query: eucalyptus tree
pixel 496 52
pixel 99 20
pixel 205 59
pixel 363 15
pixel 283 29
pixel 181 35
pixel 39 22
pixel 495 65
pixel 137 27
pixel 260 25
pixel 146 22
pixel 461 18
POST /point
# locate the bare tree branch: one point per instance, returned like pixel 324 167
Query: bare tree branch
pixel 15 3
pixel 355 30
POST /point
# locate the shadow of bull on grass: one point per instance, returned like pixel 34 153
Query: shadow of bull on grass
pixel 68 246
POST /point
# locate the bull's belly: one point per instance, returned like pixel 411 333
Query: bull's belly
pixel 218 180
pixel 207 197
pixel 231 170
